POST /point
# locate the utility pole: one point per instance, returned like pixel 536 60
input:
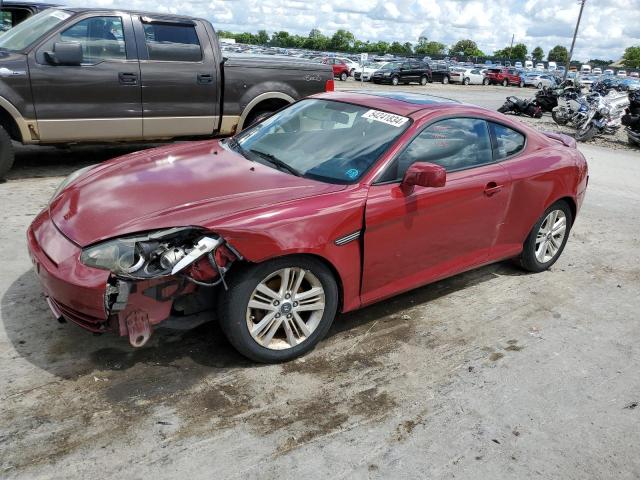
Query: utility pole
pixel 575 34
pixel 511 47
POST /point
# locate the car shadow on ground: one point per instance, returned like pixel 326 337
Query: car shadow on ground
pixel 34 161
pixel 67 351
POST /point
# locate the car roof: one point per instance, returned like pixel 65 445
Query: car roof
pixel 400 103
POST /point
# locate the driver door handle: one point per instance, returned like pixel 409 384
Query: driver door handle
pixel 492 188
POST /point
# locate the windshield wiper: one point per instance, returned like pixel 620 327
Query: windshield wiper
pixel 277 162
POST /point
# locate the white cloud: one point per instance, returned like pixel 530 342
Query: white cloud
pixel 608 26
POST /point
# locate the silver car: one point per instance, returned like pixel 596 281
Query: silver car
pixel 539 80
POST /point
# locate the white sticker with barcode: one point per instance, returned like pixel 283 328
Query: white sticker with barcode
pixel 385 117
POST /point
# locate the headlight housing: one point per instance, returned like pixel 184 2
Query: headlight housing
pixel 150 255
pixel 386 74
pixel 70 179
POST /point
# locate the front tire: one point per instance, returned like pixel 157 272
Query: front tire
pixel 547 238
pixel 423 81
pixel 485 81
pixel 395 81
pixel 521 84
pixel 540 86
pixel 584 135
pixel 557 119
pixel 7 155
pixel 466 81
pixel 280 309
pixel 505 83
pixel 445 80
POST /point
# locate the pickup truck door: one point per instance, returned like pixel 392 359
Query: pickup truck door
pixel 98 99
pixel 179 75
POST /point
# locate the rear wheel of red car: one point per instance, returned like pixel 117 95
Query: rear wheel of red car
pixel 6 153
pixel 505 83
pixel 280 309
pixel 344 76
pixel 394 81
pixel 547 238
pixel 423 80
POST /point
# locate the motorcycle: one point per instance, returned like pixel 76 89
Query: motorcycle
pixel 547 98
pixel 604 115
pixel 572 106
pixel 521 106
pixel 631 119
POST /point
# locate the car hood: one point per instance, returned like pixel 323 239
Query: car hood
pixel 198 183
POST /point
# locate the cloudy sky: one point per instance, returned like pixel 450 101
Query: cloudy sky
pixel 608 26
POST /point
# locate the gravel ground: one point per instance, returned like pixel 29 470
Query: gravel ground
pixel 490 374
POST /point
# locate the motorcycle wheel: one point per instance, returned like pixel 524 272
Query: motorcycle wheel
pixel 557 119
pixel 584 135
pixel 504 109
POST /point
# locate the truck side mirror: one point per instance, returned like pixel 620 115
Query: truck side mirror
pixel 65 53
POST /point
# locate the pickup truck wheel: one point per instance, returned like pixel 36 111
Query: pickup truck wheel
pixel 505 83
pixel 394 81
pixel 423 80
pixel 255 117
pixel 280 309
pixel 485 81
pixel 6 153
pixel 445 80
pixel 344 76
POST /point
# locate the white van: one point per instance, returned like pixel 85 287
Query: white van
pixel 585 69
pixel 528 65
pixel 539 66
pixel 552 66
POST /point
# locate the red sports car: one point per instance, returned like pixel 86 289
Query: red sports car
pixel 336 202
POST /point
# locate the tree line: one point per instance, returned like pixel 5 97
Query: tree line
pixel 345 41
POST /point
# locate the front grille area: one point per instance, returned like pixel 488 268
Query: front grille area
pixel 93 324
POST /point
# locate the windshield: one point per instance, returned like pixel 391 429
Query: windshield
pixel 325 140
pixel 27 32
pixel 389 66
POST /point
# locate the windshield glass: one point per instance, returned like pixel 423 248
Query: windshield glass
pixel 27 32
pixel 389 66
pixel 325 140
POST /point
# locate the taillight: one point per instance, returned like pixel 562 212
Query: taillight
pixel 329 86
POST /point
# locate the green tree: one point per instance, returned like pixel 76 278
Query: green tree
pixel 398 48
pixel 431 48
pixel 342 40
pixel 558 54
pixel 262 38
pixel 631 57
pixel 466 48
pixel 517 52
pixel 537 54
pixel 316 40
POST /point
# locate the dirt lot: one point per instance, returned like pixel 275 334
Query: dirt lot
pixel 491 374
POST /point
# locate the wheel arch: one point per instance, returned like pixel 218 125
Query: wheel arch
pixel 573 206
pixel 13 122
pixel 275 100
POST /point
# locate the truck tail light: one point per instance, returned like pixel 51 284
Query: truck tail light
pixel 329 86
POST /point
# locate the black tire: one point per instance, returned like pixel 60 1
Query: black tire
pixel 505 83
pixel 344 76
pixel 485 81
pixel 423 80
pixel 6 153
pixel 466 81
pixel 540 86
pixel 528 259
pixel 586 135
pixel 232 307
pixel 504 109
pixel 351 72
pixel 395 81
pixel 521 84
pixel 255 117
pixel 445 80
pixel 557 119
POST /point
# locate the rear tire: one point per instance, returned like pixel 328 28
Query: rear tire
pixel 529 260
pixel 423 80
pixel 466 81
pixel 521 84
pixel 485 81
pixel 7 155
pixel 237 318
pixel 395 81
pixel 344 76
pixel 557 119
pixel 445 80
pixel 540 86
pixel 505 83
pixel 255 117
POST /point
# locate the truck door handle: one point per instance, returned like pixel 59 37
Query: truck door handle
pixel 492 188
pixel 205 78
pixel 127 78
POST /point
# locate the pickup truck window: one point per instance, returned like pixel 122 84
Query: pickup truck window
pixel 172 43
pixel 27 32
pixel 101 38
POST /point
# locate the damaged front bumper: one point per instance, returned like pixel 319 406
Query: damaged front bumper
pixel 100 301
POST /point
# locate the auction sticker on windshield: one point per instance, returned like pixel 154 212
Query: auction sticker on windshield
pixel 385 117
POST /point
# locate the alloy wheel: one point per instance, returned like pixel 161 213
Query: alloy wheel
pixel 285 308
pixel 550 236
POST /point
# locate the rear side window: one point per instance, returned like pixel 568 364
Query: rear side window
pixel 102 38
pixel 172 43
pixel 455 144
pixel 508 141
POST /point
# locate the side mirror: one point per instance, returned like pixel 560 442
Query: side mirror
pixel 425 175
pixel 65 53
